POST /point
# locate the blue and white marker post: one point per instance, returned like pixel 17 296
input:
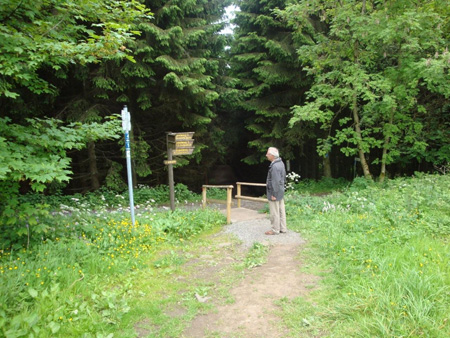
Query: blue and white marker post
pixel 126 126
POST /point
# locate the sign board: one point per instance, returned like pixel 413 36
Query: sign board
pixel 177 144
pixel 126 119
pixel 182 151
pixel 173 137
pixel 180 143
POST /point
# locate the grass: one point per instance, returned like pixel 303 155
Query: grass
pixel 90 273
pixel 385 253
pixel 381 251
pixel 256 256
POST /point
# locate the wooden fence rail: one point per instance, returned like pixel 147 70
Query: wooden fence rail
pixel 240 197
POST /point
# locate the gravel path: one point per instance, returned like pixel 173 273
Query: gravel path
pixel 252 231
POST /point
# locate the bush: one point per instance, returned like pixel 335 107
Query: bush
pixel 324 185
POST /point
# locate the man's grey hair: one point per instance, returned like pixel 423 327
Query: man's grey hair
pixel 274 151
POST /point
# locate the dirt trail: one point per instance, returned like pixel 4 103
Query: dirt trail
pixel 251 307
pixel 253 314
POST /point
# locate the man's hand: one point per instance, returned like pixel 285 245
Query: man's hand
pixel 273 198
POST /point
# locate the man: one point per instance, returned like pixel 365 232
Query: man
pixel 275 192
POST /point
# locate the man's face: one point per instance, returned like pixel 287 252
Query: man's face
pixel 270 157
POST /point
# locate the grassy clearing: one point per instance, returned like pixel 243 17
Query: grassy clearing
pixel 88 277
pixel 384 253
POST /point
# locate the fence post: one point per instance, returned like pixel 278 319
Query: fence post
pixel 229 192
pixel 204 197
pixel 238 194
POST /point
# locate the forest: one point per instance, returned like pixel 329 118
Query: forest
pixel 354 93
pixel 343 88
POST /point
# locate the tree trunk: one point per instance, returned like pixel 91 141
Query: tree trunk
pixel 362 156
pixel 385 150
pixel 383 160
pixel 93 170
pixel 327 166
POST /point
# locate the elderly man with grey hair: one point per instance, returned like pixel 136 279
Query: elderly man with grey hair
pixel 276 177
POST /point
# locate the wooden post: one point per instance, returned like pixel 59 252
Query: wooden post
pixel 171 181
pixel 204 197
pixel 238 194
pixel 229 193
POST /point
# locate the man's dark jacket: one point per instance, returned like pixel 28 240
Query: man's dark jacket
pixel 275 180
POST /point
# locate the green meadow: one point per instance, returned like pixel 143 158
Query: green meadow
pixel 381 252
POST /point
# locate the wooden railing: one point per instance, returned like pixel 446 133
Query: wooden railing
pixel 239 197
pixel 229 196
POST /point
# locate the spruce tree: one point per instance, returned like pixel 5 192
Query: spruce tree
pixel 271 81
pixel 172 84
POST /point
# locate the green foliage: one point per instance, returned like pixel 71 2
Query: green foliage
pixel 80 282
pixel 374 69
pixel 256 256
pixel 172 84
pixel 160 194
pixel 38 35
pixel 114 180
pixel 323 186
pixel 385 247
pixel 22 222
pixel 217 194
pixel 29 218
pixel 270 78
pixel 35 157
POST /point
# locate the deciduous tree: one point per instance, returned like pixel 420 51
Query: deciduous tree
pixel 373 63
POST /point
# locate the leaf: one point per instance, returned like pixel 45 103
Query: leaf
pixel 33 293
pixel 54 327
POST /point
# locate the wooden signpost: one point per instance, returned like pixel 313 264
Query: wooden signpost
pixel 178 144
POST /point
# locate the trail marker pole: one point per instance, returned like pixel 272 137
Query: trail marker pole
pixel 178 144
pixel 126 126
pixel 171 181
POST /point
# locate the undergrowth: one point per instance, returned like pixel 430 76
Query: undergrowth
pixel 386 250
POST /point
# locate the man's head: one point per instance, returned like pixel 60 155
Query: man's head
pixel 272 154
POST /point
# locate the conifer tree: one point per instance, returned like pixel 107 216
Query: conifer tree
pixel 271 81
pixel 172 84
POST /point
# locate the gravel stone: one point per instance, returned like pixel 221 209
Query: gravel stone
pixel 252 231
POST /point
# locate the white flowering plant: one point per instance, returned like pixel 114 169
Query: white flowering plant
pixel 292 178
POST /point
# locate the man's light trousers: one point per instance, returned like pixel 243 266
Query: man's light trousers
pixel 277 216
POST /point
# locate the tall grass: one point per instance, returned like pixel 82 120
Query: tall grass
pixel 382 251
pixel 386 256
pixel 78 280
